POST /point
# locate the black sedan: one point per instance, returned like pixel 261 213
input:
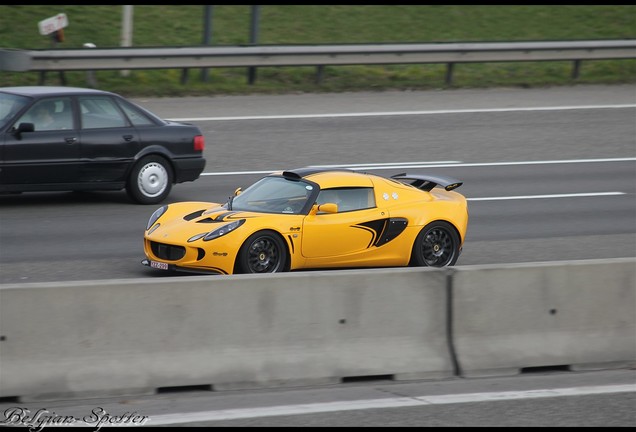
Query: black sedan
pixel 66 138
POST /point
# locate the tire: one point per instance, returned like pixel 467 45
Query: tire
pixel 262 252
pixel 150 181
pixel 437 245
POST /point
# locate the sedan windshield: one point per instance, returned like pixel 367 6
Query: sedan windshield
pixel 274 195
pixel 10 104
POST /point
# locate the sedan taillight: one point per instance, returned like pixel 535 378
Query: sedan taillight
pixel 199 143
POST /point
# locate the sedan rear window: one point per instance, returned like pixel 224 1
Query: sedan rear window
pixel 100 112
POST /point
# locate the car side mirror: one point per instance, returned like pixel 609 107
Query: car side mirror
pixel 23 127
pixel 328 208
pixel 238 191
pixel 325 208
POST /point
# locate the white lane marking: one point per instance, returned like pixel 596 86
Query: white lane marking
pixel 380 164
pixel 571 195
pixel 311 408
pixel 442 164
pixel 403 113
pixel 237 173
pixel 477 164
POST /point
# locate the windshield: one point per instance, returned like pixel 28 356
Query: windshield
pixel 10 104
pixel 274 195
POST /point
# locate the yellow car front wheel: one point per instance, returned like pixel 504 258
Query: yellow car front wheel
pixel 262 252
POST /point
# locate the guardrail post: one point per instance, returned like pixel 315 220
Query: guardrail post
pixel 449 74
pixel 576 69
pixel 319 72
pixel 43 78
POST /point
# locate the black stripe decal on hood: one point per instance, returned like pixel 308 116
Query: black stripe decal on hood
pixel 225 215
pixel 219 218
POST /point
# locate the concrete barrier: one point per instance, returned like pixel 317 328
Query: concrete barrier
pixel 132 336
pixel 580 314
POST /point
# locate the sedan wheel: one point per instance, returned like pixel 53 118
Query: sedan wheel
pixel 437 245
pixel 150 180
pixel 262 252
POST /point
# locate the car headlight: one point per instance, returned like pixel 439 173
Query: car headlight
pixel 155 216
pixel 219 232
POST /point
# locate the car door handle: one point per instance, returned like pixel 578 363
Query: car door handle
pixel 70 140
pixel 128 137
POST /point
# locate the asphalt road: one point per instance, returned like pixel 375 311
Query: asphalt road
pixel 541 399
pixel 550 175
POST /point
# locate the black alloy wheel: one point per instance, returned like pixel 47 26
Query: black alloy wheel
pixel 437 245
pixel 262 252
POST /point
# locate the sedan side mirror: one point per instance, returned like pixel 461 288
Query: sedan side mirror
pixel 23 127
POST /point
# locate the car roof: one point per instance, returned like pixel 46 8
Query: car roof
pixel 312 170
pixel 51 90
pixel 328 177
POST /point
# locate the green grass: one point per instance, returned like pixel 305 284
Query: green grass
pixel 175 25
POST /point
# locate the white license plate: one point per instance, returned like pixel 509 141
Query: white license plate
pixel 159 265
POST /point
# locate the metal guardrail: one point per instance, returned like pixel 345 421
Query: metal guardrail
pixel 314 55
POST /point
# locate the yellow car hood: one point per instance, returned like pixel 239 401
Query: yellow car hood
pixel 184 220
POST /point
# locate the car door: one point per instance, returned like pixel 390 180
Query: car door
pixel 47 155
pixel 354 228
pixel 109 142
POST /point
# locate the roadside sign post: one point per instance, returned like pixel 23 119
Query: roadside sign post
pixel 53 26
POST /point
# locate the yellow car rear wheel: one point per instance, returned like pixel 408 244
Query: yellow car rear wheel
pixel 437 245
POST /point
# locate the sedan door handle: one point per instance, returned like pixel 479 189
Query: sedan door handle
pixel 70 140
pixel 128 137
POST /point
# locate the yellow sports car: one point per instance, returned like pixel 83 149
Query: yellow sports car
pixel 313 218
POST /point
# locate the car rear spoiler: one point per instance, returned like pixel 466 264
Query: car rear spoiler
pixel 426 182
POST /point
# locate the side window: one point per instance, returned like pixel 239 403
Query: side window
pixel 136 117
pixel 9 106
pixel 49 114
pixel 100 112
pixel 348 199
